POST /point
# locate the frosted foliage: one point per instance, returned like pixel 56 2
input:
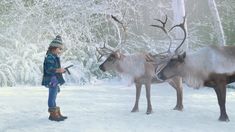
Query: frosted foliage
pixel 28 26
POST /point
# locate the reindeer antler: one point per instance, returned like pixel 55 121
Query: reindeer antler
pixel 106 51
pixel 163 27
pixel 103 51
pixel 182 26
pixel 115 19
pixel 123 27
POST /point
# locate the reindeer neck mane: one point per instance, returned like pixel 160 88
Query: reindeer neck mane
pixel 133 65
pixel 193 73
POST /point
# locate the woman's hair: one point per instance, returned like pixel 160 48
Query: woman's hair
pixel 50 49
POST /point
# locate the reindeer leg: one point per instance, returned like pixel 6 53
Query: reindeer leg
pixel 148 96
pixel 176 83
pixel 220 90
pixel 137 97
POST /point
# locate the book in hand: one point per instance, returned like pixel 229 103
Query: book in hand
pixel 67 69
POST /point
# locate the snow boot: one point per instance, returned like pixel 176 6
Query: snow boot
pixel 58 109
pixel 54 114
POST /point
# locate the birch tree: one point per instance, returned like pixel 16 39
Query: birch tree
pixel 217 26
pixel 178 7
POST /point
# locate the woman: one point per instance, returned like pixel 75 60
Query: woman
pixel 52 77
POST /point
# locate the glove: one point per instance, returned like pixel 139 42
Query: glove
pixel 54 82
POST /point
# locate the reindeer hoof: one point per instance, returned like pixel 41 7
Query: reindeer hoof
pixel 149 112
pixel 179 108
pixel 135 110
pixel 224 118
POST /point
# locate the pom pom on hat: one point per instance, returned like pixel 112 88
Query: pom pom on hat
pixel 57 42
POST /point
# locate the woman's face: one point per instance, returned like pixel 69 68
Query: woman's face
pixel 58 50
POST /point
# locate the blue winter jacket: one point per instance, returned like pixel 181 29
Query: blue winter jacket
pixel 51 63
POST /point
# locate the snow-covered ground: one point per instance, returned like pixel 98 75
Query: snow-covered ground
pixel 106 108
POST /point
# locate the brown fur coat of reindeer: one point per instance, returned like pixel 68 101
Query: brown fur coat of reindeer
pixel 142 72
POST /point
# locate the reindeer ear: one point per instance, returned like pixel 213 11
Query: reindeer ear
pixel 182 57
pixel 118 54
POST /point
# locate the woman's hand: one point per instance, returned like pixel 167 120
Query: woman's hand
pixel 60 70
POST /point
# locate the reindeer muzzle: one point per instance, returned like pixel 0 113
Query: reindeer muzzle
pixel 102 68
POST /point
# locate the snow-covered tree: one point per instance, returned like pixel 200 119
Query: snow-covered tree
pixel 178 7
pixel 218 28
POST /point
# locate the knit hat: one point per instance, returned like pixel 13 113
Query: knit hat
pixel 57 42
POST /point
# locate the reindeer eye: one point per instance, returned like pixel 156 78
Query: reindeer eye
pixel 110 58
pixel 173 62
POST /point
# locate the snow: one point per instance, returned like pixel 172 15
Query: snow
pixel 105 107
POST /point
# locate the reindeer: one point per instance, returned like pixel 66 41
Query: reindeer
pixel 212 66
pixel 142 70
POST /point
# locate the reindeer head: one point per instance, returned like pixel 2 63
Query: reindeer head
pixel 111 62
pixel 172 67
pixel 114 56
pixel 168 59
